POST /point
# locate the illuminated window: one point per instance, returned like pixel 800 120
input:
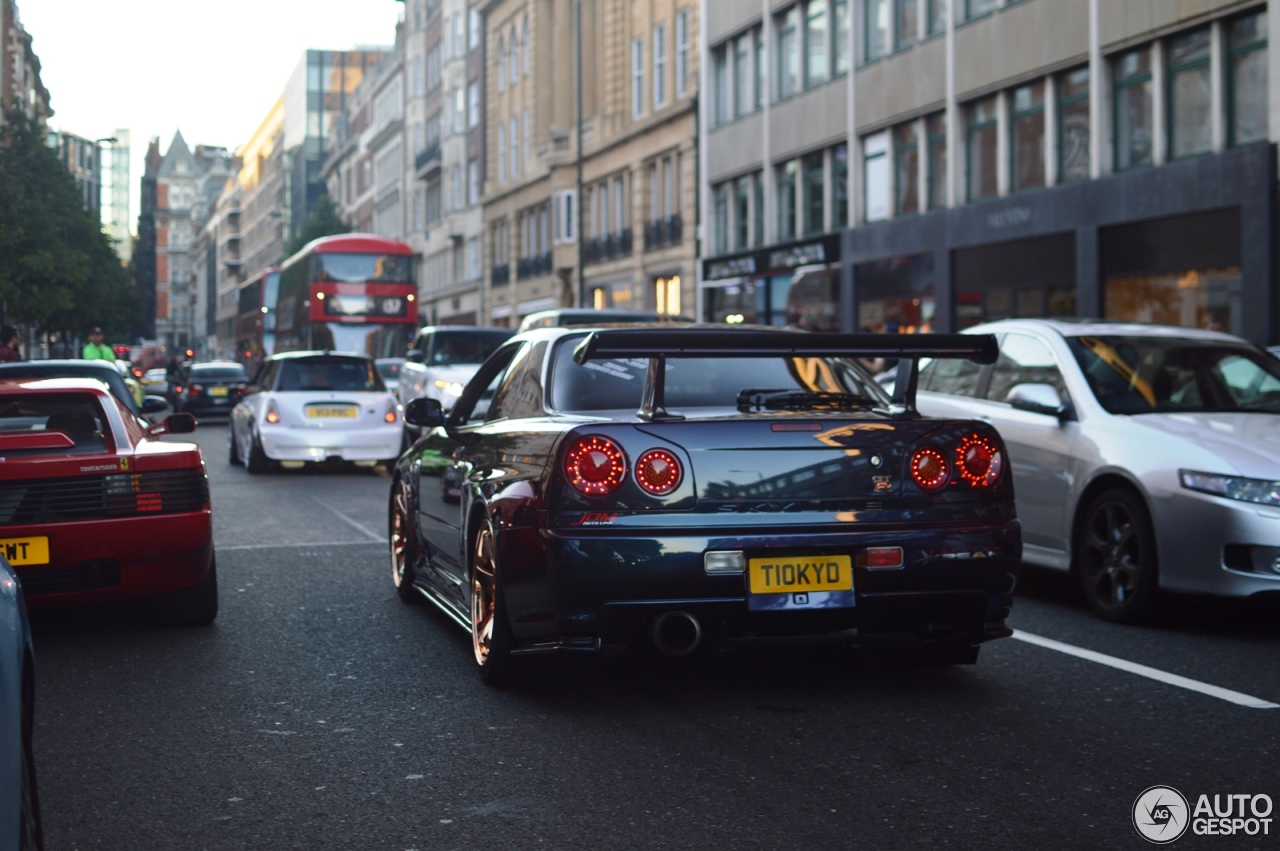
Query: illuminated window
pixel 667 295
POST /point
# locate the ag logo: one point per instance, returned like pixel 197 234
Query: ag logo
pixel 1161 815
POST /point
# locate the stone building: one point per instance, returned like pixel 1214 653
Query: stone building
pixel 19 65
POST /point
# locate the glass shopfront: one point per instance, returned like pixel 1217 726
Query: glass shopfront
pixel 796 284
pixel 896 295
pixel 1023 278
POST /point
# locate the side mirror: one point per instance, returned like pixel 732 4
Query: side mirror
pixel 153 405
pixel 424 413
pixel 415 355
pixel 1038 399
pixel 174 424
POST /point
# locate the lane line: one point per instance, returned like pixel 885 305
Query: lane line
pixel 320 545
pixel 355 524
pixel 1238 698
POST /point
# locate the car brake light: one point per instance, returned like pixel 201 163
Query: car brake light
pixel 595 465
pixel 392 415
pixel 884 558
pixel 929 468
pixel 979 460
pixel 273 414
pixel 194 390
pixel 658 472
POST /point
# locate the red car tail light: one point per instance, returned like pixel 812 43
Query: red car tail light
pixel 273 414
pixel 194 390
pixel 884 558
pixel 658 472
pixel 930 468
pixel 979 460
pixel 595 465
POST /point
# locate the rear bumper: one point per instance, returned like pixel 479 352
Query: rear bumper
pixel 317 444
pixel 98 561
pixel 207 409
pixel 575 590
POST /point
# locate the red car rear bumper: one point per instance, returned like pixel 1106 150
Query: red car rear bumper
pixel 152 555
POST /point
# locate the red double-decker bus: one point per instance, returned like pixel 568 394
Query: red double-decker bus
pixel 348 293
pixel 256 319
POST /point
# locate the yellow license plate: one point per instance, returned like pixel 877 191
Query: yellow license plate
pixel 20 551
pixel 217 391
pixel 800 574
pixel 333 412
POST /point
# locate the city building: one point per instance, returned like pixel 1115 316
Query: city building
pixel 83 160
pixel 117 198
pixel 919 164
pixel 630 243
pixel 262 224
pixel 19 66
pixel 214 254
pixel 348 169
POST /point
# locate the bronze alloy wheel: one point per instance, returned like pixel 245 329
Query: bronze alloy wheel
pixel 402 543
pixel 1117 557
pixel 491 638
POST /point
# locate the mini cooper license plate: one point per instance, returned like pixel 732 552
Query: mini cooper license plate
pixel 20 551
pixel 333 412
pixel 217 391
pixel 800 582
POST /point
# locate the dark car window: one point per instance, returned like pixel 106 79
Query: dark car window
pixel 1144 375
pixel 1023 360
pixel 519 392
pixel 329 373
pixel 699 382
pixel 76 415
pixel 389 370
pixel 448 348
pixel 951 376
pixel 106 374
pixel 217 373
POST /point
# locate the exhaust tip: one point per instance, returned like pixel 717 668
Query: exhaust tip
pixel 676 633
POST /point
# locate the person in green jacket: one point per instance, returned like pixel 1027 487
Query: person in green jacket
pixel 95 349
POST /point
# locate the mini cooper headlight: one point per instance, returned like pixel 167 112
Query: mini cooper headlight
pixel 453 388
pixel 1260 491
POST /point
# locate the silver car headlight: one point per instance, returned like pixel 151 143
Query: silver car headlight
pixel 453 388
pixel 1232 487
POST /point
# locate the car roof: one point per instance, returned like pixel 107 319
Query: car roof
pixel 12 386
pixel 318 354
pixel 220 364
pixel 56 364
pixel 432 329
pixel 638 316
pixel 556 332
pixel 1070 327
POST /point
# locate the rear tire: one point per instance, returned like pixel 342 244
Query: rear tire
pixel 30 830
pixel 403 551
pixel 491 637
pixel 193 606
pixel 233 448
pixel 258 460
pixel 1116 555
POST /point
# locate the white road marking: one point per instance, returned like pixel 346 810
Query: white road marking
pixel 301 546
pixel 355 524
pixel 1226 694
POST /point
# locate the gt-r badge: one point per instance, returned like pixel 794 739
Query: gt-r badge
pixel 597 518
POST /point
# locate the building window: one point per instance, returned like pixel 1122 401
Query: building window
pixel 978 8
pixel 502 153
pixel 906 158
pixel 666 293
pixel 473 28
pixel 721 207
pixel 455 180
pixel 840 13
pixel 757 212
pixel 459 37
pixel 937 16
pixel 720 85
pixel 564 210
pixel 524 136
pixel 513 136
pixel 1190 127
pixel 682 52
pixel 517 48
pixel 875 176
pixel 1073 125
pixel 473 105
pixel 789 54
pixel 787 201
pixel 502 65
pixel 524 29
pixel 840 184
pixel 459 110
pixel 744 73
pixel 1132 75
pixel 762 73
pixel 906 23
pixel 741 213
pixel 815 198
pixel 473 258
pixel 982 139
pixel 1027 136
pixel 660 66
pixel 1247 79
pixel 473 181
pixel 637 77
pixel 877 20
pixel 816 36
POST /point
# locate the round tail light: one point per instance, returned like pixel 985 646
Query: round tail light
pixel 979 461
pixel 930 468
pixel 658 472
pixel 595 465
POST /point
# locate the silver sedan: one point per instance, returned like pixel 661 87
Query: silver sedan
pixel 1143 457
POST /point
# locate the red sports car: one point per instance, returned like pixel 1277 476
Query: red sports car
pixel 94 507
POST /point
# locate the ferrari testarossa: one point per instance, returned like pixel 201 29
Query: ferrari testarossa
pixel 672 489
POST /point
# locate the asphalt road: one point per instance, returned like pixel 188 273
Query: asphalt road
pixel 321 712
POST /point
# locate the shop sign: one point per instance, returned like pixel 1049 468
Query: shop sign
pixel 732 268
pixel 1009 217
pixel 798 255
pixel 824 250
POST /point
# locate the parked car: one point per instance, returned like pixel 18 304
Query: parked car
pixel 442 360
pixel 212 389
pixel 153 408
pixel 583 317
pixel 94 507
pixel 315 406
pixel 389 369
pixel 20 826
pixel 155 382
pixel 751 487
pixel 1144 456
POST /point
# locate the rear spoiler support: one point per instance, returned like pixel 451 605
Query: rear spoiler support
pixel 656 345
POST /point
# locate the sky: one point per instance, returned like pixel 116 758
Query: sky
pixel 211 69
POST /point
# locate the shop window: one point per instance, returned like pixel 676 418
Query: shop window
pixel 1073 125
pixel 1190 127
pixel 816 40
pixel 906 22
pixel 813 300
pixel 840 184
pixel 1023 278
pixel 936 129
pixel 815 199
pixel 598 297
pixel 721 204
pixel 840 12
pixel 906 157
pixel 1027 131
pixel 982 138
pixel 1247 79
pixel 789 54
pixel 877 28
pixel 875 176
pixel 787 201
pixel 741 213
pixel 1132 75
pixel 666 292
pixel 754 301
pixel 896 295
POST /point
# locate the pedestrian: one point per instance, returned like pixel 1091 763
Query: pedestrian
pixel 95 349
pixel 9 343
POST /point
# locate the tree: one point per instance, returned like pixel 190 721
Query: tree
pixel 323 220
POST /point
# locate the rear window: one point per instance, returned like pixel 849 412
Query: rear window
pixel 78 416
pixel 389 370
pixel 699 382
pixel 463 347
pixel 320 374
pixel 218 373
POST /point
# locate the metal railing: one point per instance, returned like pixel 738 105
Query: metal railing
pixel 501 275
pixel 602 249
pixel 532 267
pixel 660 233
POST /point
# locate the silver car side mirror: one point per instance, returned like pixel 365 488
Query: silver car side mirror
pixel 1038 399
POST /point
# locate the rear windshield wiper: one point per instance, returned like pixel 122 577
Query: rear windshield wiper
pixel 775 399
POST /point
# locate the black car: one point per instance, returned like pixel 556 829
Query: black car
pixel 102 370
pixel 209 389
pixel 668 489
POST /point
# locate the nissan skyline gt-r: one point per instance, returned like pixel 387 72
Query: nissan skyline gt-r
pixel 668 489
pixel 19 802
pixel 95 508
pixel 312 407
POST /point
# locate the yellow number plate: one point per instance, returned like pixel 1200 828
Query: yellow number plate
pixel 217 391
pixel 800 574
pixel 20 551
pixel 333 412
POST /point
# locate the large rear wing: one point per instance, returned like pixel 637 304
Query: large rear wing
pixel 659 344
